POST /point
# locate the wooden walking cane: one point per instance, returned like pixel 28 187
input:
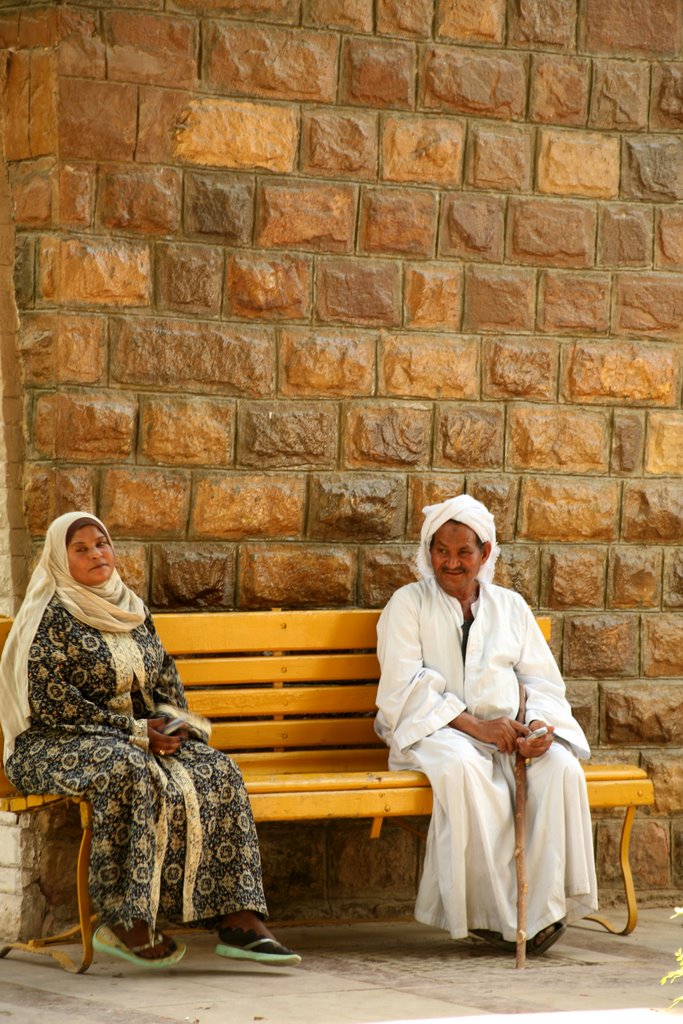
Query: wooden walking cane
pixel 520 842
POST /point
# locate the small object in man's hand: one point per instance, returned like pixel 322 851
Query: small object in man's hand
pixel 541 731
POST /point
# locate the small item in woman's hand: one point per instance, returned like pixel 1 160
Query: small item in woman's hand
pixel 173 726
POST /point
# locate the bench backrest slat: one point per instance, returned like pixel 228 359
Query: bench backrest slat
pixel 295 700
pixel 288 733
pixel 278 668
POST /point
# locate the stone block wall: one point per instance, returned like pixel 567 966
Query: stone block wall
pixel 288 270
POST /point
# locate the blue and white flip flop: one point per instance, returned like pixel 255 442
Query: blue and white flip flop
pixel 107 941
pixel 238 944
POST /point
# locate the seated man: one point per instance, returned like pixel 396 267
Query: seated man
pixel 453 649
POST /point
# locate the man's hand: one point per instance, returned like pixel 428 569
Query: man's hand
pixel 503 733
pixel 538 745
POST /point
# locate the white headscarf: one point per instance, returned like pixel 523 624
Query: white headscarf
pixel 463 509
pixel 111 607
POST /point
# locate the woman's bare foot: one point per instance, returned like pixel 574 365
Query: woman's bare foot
pixel 140 935
pixel 247 920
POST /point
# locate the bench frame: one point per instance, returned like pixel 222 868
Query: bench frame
pixel 291 695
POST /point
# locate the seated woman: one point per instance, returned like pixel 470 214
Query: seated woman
pixel 82 678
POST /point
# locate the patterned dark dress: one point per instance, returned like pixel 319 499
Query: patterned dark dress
pixel 174 834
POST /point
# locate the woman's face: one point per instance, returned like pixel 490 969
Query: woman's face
pixel 91 556
pixel 457 559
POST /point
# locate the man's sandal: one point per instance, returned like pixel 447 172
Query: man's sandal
pixel 105 940
pixel 552 933
pixel 238 944
pixel 494 939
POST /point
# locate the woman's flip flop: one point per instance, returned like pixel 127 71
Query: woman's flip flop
pixel 107 941
pixel 238 944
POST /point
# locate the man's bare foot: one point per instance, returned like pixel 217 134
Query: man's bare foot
pixel 140 935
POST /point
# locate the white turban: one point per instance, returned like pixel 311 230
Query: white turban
pixel 463 509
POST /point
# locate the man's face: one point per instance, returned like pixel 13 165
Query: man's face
pixel 457 559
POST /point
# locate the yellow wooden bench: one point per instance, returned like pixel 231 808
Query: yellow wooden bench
pixel 292 699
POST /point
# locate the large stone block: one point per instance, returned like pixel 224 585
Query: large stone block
pixel 354 15
pixel 361 292
pixel 189 278
pixel 49 491
pixel 429 366
pixel 559 89
pixel 395 17
pixel 583 698
pixel 319 218
pixel 601 645
pixel 573 303
pixel 499 299
pixel 274 434
pixel 160 113
pixel 646 714
pixel 620 95
pixel 356 506
pixel 472 227
pixel 663 650
pixel 185 355
pixel 150 503
pixel 499 158
pixel 543 23
pixel 552 509
pixel 268 288
pixel 669 237
pixel 667 96
pixel 132 564
pixel 44 104
pixel 219 206
pixel 95 271
pixel 499 494
pixel 649 305
pixel 339 143
pixel 237 134
pixel 427 150
pixel 579 164
pixel 76 195
pixel 284 11
pixel 634 578
pixel 673 579
pixel 197 576
pixel 650 855
pixel 60 348
pixel 325 362
pixel 392 435
pixel 653 168
pixel 296 576
pixel 621 372
pixel 653 511
pixel 573 577
pixel 383 570
pixel 517 569
pixel 628 433
pixel 24 272
pixel 34 191
pixel 557 439
pixel 295 868
pixel 473 82
pixel 377 73
pixel 520 368
pixel 666 772
pixel 624 236
pixel 150 48
pixel 140 200
pixel 230 507
pixel 399 222
pixel 277 63
pixel 83 130
pixel 471 21
pixel 84 426
pixel 469 437
pixel 664 448
pixel 186 431
pixel 433 295
pixel 548 231
pixel 638 28
pixel 391 864
pixel 429 489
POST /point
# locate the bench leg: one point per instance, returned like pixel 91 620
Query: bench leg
pixel 629 887
pixel 84 928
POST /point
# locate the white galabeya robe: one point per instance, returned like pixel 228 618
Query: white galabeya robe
pixel 468 880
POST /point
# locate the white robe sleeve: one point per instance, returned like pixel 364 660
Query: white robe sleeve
pixel 412 699
pixel 545 689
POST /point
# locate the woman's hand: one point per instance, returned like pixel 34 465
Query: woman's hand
pixel 159 743
pixel 538 745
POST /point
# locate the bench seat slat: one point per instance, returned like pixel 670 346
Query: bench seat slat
pixel 291 668
pixel 316 700
pixel 298 806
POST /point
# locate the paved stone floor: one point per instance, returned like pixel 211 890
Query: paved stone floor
pixel 365 973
